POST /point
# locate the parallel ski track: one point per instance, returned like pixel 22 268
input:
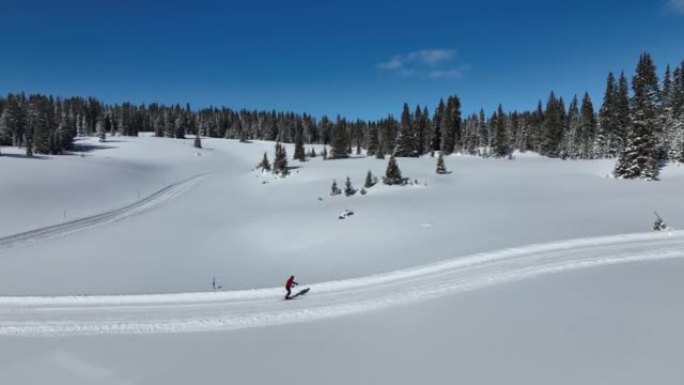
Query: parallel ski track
pixel 76 225
pixel 201 312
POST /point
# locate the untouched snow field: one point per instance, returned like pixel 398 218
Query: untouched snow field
pixel 520 272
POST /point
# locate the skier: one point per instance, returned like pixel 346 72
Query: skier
pixel 289 285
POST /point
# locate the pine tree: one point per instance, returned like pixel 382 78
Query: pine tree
pixel 334 190
pixel 437 126
pixel 393 173
pixel 640 159
pixel 572 140
pixel 372 140
pixel 370 180
pixel 441 168
pixel 607 140
pixel 553 127
pixel 349 190
pixel 407 141
pixel 676 122
pixel 13 120
pixel 198 141
pixel 280 162
pixel 380 154
pixel 500 143
pixel 622 112
pixel 340 141
pixel 587 128
pixel 265 165
pixel 299 152
pixel 39 123
pixel 482 133
pixel 451 125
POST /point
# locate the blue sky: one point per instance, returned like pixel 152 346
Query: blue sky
pixel 360 59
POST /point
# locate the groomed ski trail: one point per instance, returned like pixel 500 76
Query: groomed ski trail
pixel 66 228
pixel 215 311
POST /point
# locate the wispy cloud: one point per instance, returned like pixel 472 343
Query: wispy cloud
pixel 676 6
pixel 432 63
pixel 449 73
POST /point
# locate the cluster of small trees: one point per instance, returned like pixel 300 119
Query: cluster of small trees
pixel 279 163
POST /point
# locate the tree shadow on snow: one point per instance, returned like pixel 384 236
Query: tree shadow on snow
pixel 22 156
pixel 78 147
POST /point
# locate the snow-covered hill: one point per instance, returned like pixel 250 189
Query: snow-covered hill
pixel 431 283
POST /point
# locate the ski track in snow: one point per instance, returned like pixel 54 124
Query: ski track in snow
pixel 85 223
pixel 216 311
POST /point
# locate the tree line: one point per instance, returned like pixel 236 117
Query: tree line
pixel 642 128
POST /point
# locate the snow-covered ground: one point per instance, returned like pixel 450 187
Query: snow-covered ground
pixel 500 272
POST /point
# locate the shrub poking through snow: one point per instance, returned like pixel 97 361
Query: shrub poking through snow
pixel 349 190
pixel 265 165
pixel 659 224
pixel 334 190
pixel 363 191
pixel 441 168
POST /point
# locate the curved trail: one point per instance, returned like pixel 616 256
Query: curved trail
pixel 73 226
pixel 195 312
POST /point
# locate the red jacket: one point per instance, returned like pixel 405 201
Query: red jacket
pixel 290 283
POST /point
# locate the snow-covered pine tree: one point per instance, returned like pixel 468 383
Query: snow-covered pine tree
pixel 349 190
pixel 324 154
pixel 198 142
pixel 640 158
pixel 393 173
pixel 441 168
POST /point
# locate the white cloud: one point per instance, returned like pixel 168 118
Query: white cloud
pixel 431 56
pixel 449 73
pixel 676 5
pixel 393 64
pixel 433 63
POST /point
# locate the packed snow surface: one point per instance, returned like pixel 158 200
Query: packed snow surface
pixel 529 271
